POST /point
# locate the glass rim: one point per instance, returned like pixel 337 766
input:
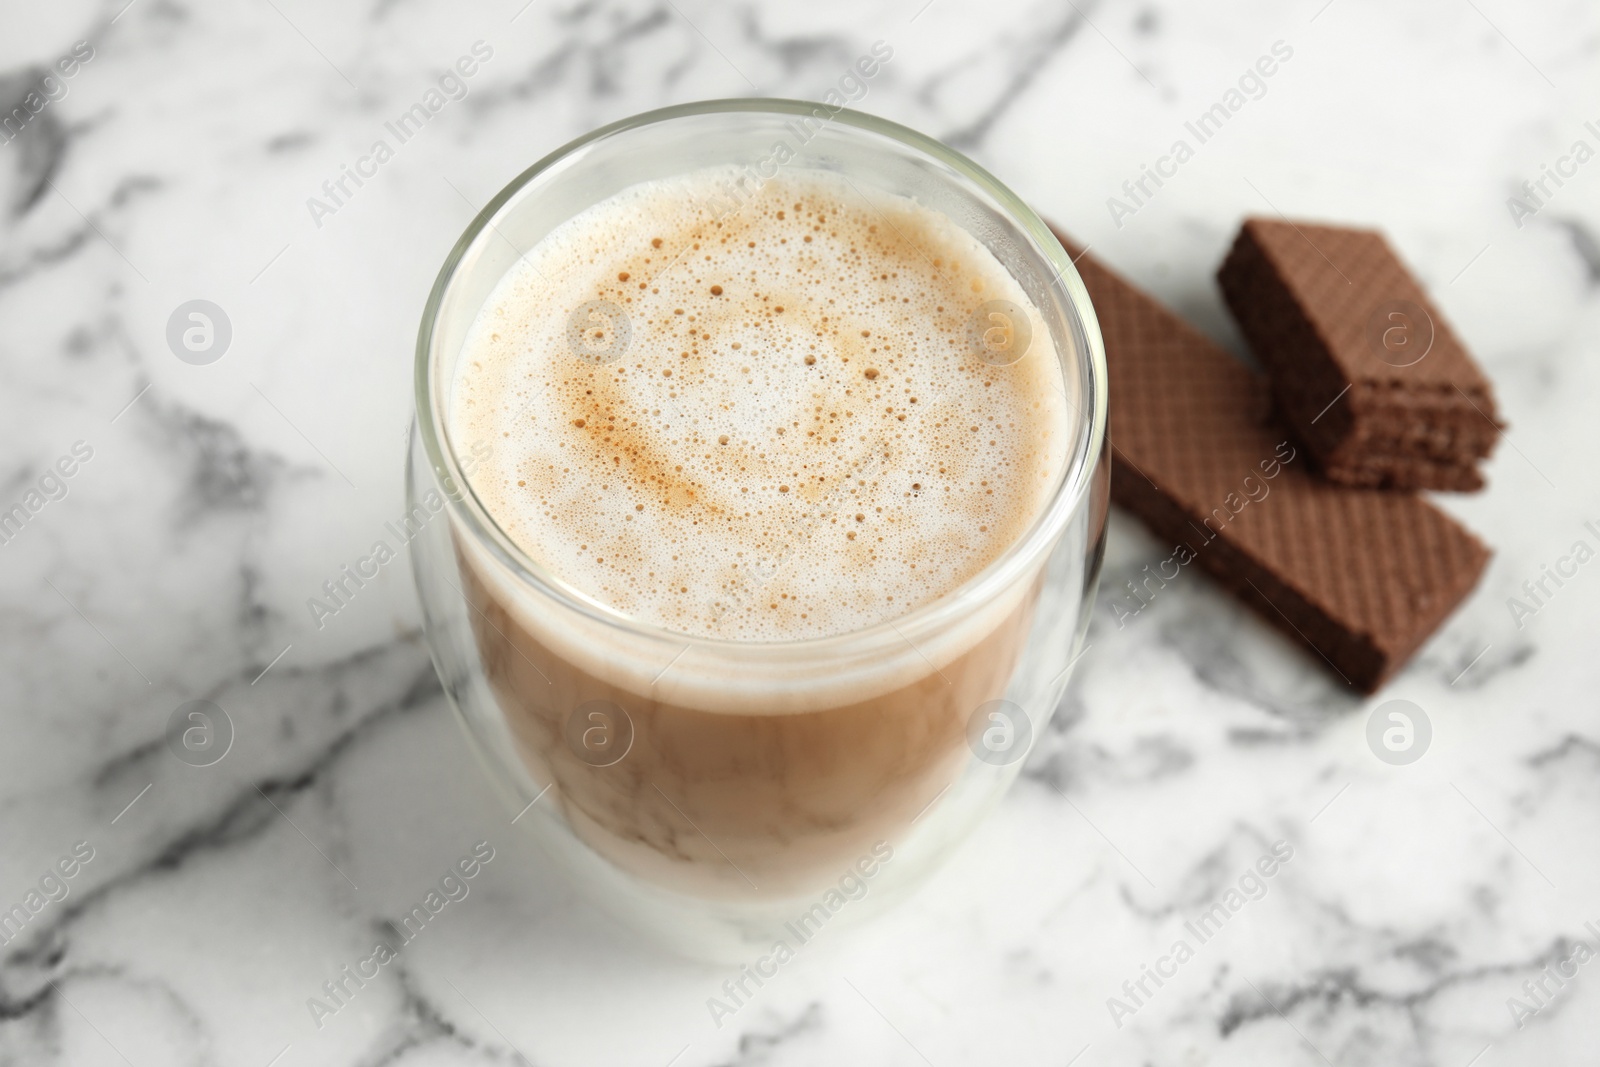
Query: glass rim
pixel 1069 494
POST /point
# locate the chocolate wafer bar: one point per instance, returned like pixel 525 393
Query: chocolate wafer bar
pixel 1359 576
pixel 1366 371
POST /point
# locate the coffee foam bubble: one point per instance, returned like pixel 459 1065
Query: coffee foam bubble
pixel 766 426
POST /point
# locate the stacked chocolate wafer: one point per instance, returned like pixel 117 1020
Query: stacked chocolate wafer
pixel 1359 575
pixel 1363 366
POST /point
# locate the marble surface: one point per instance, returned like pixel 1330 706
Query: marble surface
pixel 176 162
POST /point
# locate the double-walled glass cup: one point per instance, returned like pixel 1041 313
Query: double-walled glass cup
pixel 722 795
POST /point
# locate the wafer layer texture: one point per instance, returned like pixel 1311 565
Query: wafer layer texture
pixel 1366 371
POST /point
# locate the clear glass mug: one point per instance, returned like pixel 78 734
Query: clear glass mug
pixel 713 794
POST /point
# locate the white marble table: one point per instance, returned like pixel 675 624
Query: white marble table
pixel 176 163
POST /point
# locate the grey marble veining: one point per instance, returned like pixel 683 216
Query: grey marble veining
pixel 1422 904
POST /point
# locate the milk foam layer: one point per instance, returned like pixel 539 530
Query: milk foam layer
pixel 786 433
